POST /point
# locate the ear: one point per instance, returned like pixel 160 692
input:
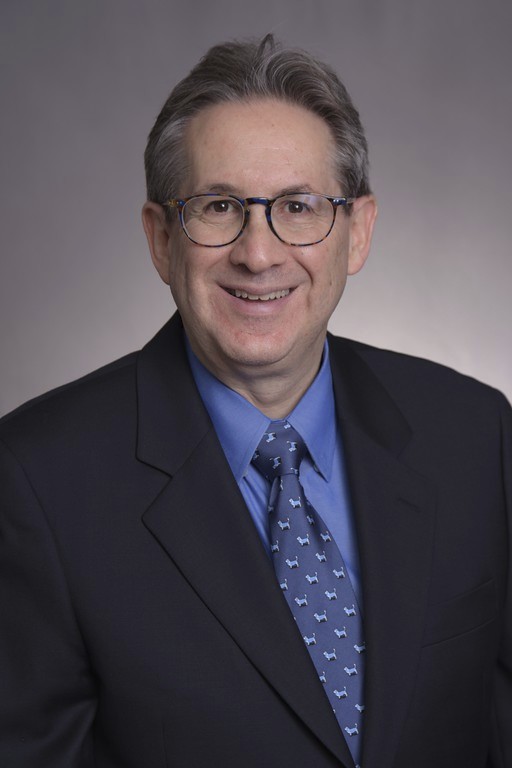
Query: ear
pixel 362 219
pixel 157 233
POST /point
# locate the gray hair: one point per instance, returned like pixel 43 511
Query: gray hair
pixel 240 72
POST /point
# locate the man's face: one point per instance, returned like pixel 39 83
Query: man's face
pixel 261 148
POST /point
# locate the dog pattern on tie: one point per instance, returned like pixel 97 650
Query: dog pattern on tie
pixel 314 580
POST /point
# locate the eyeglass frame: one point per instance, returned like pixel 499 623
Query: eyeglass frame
pixel 179 204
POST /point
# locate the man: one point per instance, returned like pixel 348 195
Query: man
pixel 152 610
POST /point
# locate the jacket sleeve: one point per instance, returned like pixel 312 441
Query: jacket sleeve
pixel 501 742
pixel 47 699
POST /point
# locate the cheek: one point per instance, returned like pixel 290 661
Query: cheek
pixel 179 278
pixel 335 291
pixel 188 279
pixel 329 273
pixel 181 267
pixel 337 261
pixel 328 284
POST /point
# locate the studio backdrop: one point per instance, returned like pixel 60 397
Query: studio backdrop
pixel 81 84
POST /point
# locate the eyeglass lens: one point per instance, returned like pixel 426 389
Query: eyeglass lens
pixel 299 219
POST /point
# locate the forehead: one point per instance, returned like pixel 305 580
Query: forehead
pixel 259 147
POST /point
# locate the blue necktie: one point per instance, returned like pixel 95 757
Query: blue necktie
pixel 314 580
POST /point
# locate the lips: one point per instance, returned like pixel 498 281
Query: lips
pixel 259 296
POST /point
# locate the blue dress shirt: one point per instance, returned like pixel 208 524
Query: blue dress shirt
pixel 240 427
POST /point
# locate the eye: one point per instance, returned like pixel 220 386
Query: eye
pixel 295 207
pixel 213 207
pixel 219 206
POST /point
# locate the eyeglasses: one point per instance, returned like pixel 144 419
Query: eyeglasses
pixel 298 219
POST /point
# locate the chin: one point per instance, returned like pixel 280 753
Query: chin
pixel 254 352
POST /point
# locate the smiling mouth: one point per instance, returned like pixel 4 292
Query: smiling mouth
pixel 259 297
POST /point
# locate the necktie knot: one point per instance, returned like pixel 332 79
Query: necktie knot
pixel 280 451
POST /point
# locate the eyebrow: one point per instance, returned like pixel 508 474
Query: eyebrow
pixel 229 189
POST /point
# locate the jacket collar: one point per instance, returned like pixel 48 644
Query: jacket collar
pixel 165 383
pixel 171 418
pixel 393 510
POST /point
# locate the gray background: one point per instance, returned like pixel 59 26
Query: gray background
pixel 81 85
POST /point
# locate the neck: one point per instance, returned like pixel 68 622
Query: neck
pixel 273 389
pixel 275 397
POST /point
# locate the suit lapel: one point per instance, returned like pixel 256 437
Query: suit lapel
pixel 201 520
pixel 394 511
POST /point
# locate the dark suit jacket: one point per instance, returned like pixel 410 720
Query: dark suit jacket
pixel 141 622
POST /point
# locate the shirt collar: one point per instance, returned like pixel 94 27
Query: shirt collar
pixel 313 417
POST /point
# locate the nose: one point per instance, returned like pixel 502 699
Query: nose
pixel 258 248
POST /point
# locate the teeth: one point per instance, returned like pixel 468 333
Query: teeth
pixel 262 297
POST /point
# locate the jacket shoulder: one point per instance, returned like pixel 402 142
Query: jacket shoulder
pixel 412 380
pixel 80 405
pixel 390 364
